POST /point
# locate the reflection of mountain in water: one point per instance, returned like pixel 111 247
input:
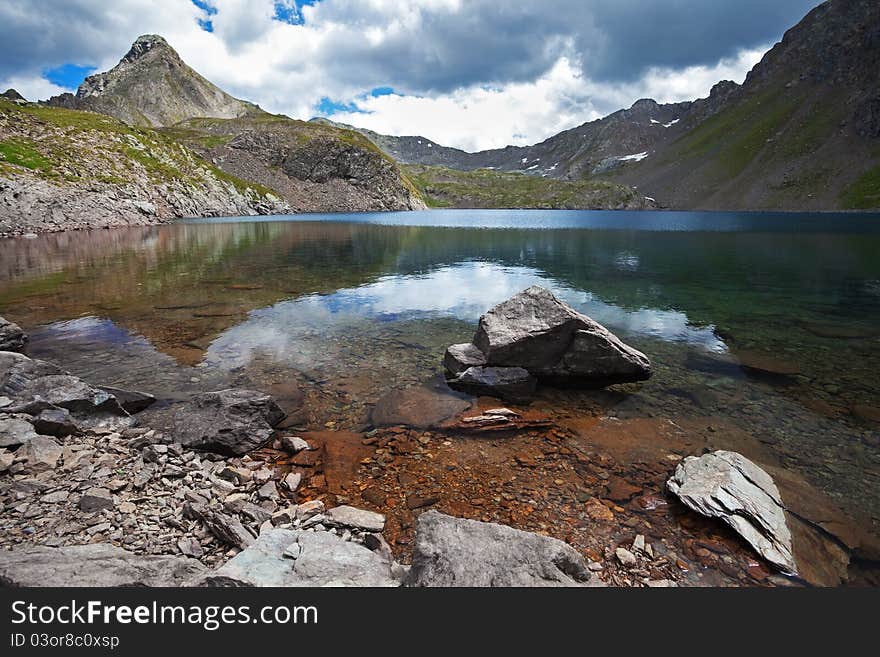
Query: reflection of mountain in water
pixel 181 286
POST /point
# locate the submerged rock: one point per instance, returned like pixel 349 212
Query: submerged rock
pixel 540 334
pixel 12 338
pixel 420 406
pixel 459 552
pixel 504 382
pixel 231 422
pixel 281 557
pixel 727 485
pixel 99 564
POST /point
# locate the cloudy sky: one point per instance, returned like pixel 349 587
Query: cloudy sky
pixel 469 73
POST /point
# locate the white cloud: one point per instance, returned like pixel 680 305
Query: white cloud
pixel 31 88
pixel 476 74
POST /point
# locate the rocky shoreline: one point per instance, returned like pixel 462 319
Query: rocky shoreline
pixel 101 486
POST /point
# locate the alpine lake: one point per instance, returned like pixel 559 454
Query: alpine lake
pixel 763 330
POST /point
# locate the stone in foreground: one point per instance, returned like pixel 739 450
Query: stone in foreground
pixel 230 422
pixel 459 552
pixel 281 557
pixel 99 564
pixel 727 485
pixel 538 332
pixel 12 338
pixel 513 383
pixel 460 357
pixel 352 518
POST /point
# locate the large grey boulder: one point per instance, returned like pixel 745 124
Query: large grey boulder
pixel 729 486
pixel 12 338
pixel 282 557
pixel 230 422
pixel 549 338
pixel 98 564
pixel 459 552
pixel 34 385
pixel 537 332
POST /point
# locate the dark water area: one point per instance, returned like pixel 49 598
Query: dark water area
pixel 765 325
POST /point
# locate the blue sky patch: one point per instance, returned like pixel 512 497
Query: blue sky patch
pixel 205 23
pixel 68 76
pixel 382 91
pixel 329 107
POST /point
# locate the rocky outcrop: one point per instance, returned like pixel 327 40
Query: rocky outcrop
pixel 459 552
pixel 728 486
pixel 99 564
pixel 282 557
pixel 514 383
pixel 537 333
pixel 12 338
pixel 227 422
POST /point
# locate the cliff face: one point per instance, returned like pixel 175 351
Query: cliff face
pixel 65 169
pixel 314 168
pixel 152 86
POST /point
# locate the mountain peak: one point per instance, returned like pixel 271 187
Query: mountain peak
pixel 145 44
pixel 152 86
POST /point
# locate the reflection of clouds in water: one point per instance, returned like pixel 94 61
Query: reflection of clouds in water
pixel 310 331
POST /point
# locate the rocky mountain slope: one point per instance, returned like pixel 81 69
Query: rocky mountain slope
pixel 443 187
pixel 314 168
pixel 802 132
pixel 152 140
pixel 152 86
pixel 64 169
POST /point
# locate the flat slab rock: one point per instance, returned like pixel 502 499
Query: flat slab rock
pixel 729 486
pixel 98 564
pixel 231 422
pixel 353 518
pixel 459 552
pixel 282 557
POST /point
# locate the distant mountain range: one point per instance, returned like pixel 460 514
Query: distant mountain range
pixel 801 133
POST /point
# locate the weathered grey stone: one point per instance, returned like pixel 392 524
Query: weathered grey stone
pixel 308 509
pixel 727 485
pixel 352 518
pixel 514 383
pixel 281 557
pixel 42 454
pixel 294 444
pixel 96 499
pixel 459 552
pixel 231 422
pixel 92 565
pixel 292 481
pixel 15 430
pixel 131 400
pixel 538 332
pixel 55 422
pixel 34 385
pixel 12 338
pixel 459 357
pixel 226 528
pixel 190 547
pixel 268 491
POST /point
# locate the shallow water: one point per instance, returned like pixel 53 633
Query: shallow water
pixel 347 307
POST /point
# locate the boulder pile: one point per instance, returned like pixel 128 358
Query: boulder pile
pixel 534 336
